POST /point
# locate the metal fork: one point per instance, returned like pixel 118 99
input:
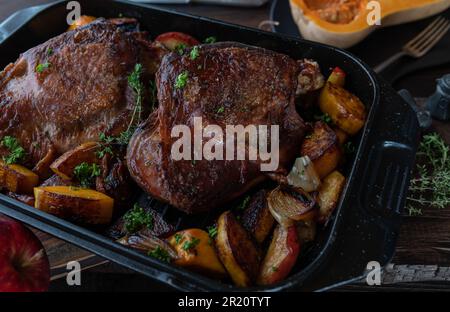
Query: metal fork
pixel 421 44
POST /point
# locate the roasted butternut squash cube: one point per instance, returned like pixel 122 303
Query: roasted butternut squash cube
pixel 322 147
pixel 64 165
pixel 17 179
pixel 329 193
pixel 345 109
pixel 196 252
pixel 74 203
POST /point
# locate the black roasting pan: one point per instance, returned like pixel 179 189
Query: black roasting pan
pixel 366 223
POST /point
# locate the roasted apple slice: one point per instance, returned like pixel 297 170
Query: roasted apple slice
pixel 196 252
pixel 322 147
pixel 237 251
pixel 329 193
pixel 175 40
pixel 76 204
pixel 337 77
pixel 345 109
pixel 65 164
pixel 17 179
pixel 281 256
pixel 257 219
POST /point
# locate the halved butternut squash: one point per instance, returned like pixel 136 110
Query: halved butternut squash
pixel 17 179
pixel 345 23
pixel 73 203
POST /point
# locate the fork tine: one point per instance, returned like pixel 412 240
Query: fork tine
pixel 436 29
pixel 427 46
pixel 423 33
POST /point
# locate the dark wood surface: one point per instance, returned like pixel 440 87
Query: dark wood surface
pixel 423 253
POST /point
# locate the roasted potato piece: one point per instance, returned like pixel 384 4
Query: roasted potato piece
pixel 82 21
pixel 17 179
pixel 329 193
pixel 196 252
pixel 322 148
pixel 42 168
pixel 341 135
pixel 237 251
pixel 76 204
pixel 337 77
pixel 257 219
pixel 281 256
pixel 345 109
pixel 66 163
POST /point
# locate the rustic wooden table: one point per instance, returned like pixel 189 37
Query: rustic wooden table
pixel 422 260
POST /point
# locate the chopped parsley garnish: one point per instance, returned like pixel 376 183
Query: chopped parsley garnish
pixel 179 48
pixel 178 237
pixel 194 53
pixel 160 254
pixel 221 110
pixel 181 80
pixel 103 150
pixel 189 245
pixel 212 231
pixel 136 219
pixel 244 203
pixel 41 67
pixel 49 51
pixel 324 117
pixel 211 39
pixel 86 173
pixel 16 151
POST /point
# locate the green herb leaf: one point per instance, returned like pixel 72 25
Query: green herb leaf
pixel 211 39
pixel 41 67
pixel 244 203
pixel 160 254
pixel 221 110
pixel 16 151
pixel 136 219
pixel 212 231
pixel 178 238
pixel 180 48
pixel 189 245
pixel 324 117
pixel 86 173
pixel 49 51
pixel 194 53
pixel 181 80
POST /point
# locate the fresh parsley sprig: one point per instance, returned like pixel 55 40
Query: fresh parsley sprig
pixel 86 173
pixel 16 152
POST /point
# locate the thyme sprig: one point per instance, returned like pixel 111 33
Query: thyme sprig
pixel 430 185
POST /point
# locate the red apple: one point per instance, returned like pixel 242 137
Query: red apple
pixel 172 40
pixel 281 256
pixel 24 265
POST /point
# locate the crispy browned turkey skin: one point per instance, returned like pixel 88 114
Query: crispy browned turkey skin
pixel 228 84
pixel 81 91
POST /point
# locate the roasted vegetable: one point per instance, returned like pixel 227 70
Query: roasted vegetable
pixel 81 21
pixel 341 135
pixel 257 219
pixel 152 245
pixel 177 41
pixel 237 251
pixel 329 193
pixel 322 147
pixel 304 175
pixel 65 165
pixel 76 204
pixel 288 205
pixel 17 179
pixel 337 77
pixel 196 252
pixel 281 256
pixel 345 109
pixel 42 168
